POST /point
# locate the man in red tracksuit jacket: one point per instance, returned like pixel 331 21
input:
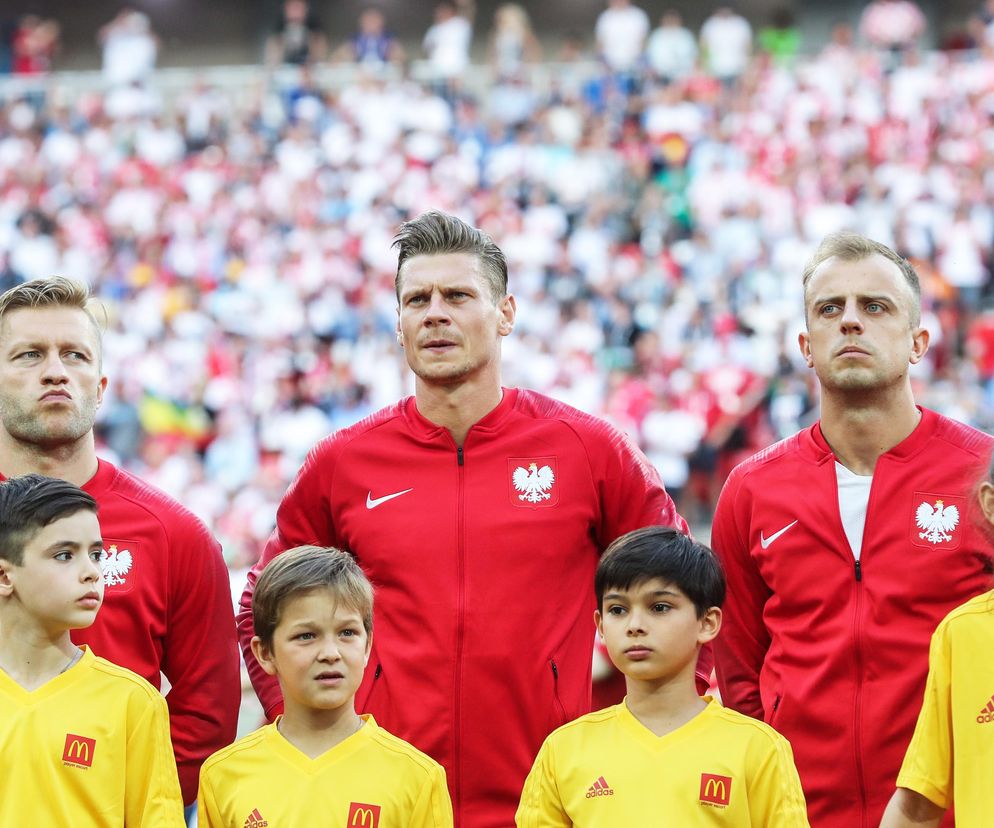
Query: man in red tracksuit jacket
pixel 846 544
pixel 479 514
pixel 167 599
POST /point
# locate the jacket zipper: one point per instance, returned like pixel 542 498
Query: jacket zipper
pixel 858 699
pixel 555 692
pixel 460 631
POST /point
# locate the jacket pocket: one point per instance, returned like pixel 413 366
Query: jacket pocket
pixel 559 709
pixel 367 693
pixel 774 709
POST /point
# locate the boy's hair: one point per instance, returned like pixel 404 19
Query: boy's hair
pixel 852 247
pixel 435 233
pixel 55 291
pixel 302 569
pixel 664 553
pixel 30 503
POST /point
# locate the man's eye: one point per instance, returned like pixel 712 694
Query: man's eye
pixel 874 307
pixel 98 555
pixel 829 308
pixel 64 555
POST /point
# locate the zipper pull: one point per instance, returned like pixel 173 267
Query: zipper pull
pixel 859 571
pixel 459 455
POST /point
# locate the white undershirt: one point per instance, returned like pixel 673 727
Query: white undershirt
pixel 854 494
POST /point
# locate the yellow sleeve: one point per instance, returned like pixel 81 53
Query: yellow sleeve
pixel 776 799
pixel 433 808
pixel 541 805
pixel 152 797
pixel 208 815
pixel 928 764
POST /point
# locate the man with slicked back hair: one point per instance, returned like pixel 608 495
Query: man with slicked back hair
pixel 479 513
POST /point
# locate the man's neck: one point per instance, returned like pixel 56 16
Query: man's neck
pixel 30 655
pixel 860 430
pixel 315 732
pixel 457 407
pixel 75 462
pixel 664 706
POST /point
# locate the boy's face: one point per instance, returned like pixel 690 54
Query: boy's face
pixel 59 583
pixel 319 652
pixel 652 631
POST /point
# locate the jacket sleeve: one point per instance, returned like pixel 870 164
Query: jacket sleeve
pixel 541 806
pixel 304 517
pixel 740 648
pixel 632 496
pixel 200 652
pixel 151 789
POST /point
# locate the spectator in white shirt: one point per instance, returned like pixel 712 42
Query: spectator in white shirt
pixel 621 31
pixel 672 49
pixel 726 40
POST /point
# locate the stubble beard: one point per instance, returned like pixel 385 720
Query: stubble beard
pixel 46 431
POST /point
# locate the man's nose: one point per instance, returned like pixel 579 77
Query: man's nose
pixel 53 368
pixel 850 319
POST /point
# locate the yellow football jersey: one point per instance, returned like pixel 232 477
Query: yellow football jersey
pixel 370 780
pixel 607 768
pixel 89 747
pixel 951 756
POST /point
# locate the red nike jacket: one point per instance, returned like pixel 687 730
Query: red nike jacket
pixel 482 559
pixel 833 654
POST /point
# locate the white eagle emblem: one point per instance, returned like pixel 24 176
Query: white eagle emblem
pixel 937 523
pixel 534 482
pixel 116 565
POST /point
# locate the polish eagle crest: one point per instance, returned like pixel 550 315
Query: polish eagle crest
pixel 116 564
pixel 936 523
pixel 533 483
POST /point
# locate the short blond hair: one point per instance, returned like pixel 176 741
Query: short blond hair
pixel 302 569
pixel 852 247
pixel 53 292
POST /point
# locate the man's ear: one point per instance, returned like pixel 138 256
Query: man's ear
pixel 508 308
pixel 708 625
pixel 264 655
pixel 804 343
pixel 919 345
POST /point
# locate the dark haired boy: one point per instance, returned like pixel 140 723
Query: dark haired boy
pixel 82 741
pixel 664 750
pixel 320 762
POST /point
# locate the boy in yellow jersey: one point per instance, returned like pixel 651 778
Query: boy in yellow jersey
pixel 951 756
pixel 664 756
pixel 320 762
pixel 82 741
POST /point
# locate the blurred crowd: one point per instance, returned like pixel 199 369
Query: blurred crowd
pixel 656 208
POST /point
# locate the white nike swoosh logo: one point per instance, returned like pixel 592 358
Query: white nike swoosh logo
pixel 765 542
pixel 372 503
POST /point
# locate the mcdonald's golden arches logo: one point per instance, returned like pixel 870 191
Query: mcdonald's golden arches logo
pixel 363 815
pixel 715 790
pixel 79 750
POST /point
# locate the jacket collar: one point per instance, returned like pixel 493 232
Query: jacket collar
pixel 814 441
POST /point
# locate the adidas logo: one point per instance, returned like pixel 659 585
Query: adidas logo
pixel 600 788
pixel 255 820
pixel 987 714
